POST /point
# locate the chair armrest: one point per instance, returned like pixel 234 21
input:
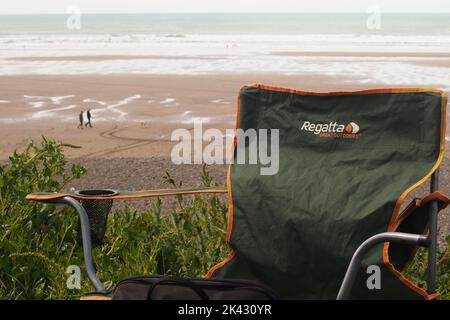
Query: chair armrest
pixel 353 267
pixel 122 194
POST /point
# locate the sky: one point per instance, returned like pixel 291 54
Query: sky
pixel 205 6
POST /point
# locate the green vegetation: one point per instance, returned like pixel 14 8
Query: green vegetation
pixel 38 242
pixel 416 271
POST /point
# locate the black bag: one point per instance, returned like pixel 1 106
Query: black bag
pixel 175 288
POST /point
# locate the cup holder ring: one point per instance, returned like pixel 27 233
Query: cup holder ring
pixel 97 193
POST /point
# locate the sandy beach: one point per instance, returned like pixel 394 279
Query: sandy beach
pixel 133 115
pixel 133 118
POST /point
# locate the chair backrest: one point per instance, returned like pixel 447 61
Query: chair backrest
pixel 347 160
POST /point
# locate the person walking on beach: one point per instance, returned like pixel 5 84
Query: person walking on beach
pixel 89 116
pixel 80 117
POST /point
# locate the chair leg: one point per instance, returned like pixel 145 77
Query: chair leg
pixel 432 225
pixel 86 239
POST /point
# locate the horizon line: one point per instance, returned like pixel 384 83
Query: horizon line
pixel 230 12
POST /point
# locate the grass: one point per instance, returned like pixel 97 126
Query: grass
pixel 38 242
pixel 417 270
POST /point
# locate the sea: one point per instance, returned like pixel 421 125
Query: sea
pixel 386 48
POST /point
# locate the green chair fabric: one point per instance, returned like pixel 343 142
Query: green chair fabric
pixel 347 160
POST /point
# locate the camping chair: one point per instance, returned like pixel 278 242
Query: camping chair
pixel 332 215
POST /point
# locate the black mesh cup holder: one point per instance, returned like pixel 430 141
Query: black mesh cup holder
pixel 97 211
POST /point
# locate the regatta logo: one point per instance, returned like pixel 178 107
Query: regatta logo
pixel 333 129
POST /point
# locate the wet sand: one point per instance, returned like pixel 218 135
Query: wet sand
pixel 110 57
pixel 403 54
pixel 133 115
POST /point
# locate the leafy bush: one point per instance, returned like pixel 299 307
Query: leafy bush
pixel 417 270
pixel 38 242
